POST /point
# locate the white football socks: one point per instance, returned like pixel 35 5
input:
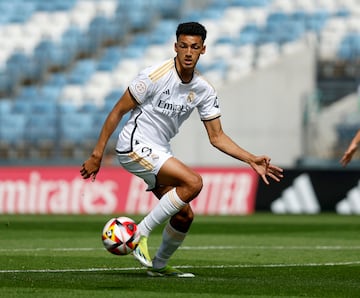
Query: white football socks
pixel 171 241
pixel 169 205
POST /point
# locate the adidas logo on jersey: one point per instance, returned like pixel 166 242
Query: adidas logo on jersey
pixel 351 203
pixel 299 198
pixel 167 92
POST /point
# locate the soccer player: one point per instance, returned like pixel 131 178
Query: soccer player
pixel 350 151
pixel 160 99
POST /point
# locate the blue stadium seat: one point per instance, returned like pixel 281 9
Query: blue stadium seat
pixel 316 21
pixel 67 108
pixel 23 107
pixel 61 5
pixel 49 93
pixel 76 128
pixel 7 10
pixel 44 107
pixel 109 59
pixel 73 41
pixel 162 32
pixel 140 14
pixel 43 52
pixel 194 15
pixel 114 95
pixel 15 66
pixel 61 57
pixel 103 30
pixel 342 12
pixel 41 127
pixel 170 9
pixel 6 106
pixel 299 15
pixel 22 11
pixel 213 14
pixel 57 80
pixel 28 93
pixel 7 85
pixel 82 71
pixel 99 119
pixel 89 107
pixel 250 3
pixel 248 35
pixel 55 5
pixel 13 128
pixel 277 17
pixel 134 51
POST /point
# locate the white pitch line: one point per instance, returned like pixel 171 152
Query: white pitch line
pixel 49 249
pixel 317 247
pixel 185 267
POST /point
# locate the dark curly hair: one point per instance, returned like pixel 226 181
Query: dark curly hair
pixel 191 28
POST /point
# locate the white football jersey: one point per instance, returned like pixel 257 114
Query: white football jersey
pixel 164 103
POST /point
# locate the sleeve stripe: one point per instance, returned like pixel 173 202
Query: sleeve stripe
pixel 211 117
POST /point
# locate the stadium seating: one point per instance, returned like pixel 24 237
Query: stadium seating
pixel 12 136
pixel 66 61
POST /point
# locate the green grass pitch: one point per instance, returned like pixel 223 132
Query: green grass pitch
pixel 261 255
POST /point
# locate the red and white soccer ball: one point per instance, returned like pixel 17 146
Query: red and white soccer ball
pixel 120 235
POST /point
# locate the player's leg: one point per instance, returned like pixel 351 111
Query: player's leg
pixel 160 169
pixel 176 185
pixel 173 236
pixel 174 173
pixel 183 185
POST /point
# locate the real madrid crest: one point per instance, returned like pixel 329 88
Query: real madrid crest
pixel 190 97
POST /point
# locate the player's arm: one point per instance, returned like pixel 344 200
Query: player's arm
pixel 221 141
pixel 92 165
pixel 350 151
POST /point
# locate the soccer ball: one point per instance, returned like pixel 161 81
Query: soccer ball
pixel 120 235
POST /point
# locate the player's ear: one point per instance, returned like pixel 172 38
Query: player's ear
pixel 203 50
pixel 175 47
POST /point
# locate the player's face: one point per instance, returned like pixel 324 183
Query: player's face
pixel 188 49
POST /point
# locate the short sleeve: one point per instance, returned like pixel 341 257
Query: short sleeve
pixel 209 109
pixel 140 87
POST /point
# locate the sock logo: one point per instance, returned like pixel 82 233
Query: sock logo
pixel 299 198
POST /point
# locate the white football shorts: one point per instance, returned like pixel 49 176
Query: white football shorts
pixel 145 162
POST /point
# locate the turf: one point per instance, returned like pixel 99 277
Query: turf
pixel 261 255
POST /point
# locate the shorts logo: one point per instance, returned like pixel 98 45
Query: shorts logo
pixel 146 150
pixel 154 156
pixel 140 87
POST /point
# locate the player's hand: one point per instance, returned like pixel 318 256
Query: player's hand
pixel 264 168
pixel 90 168
pixel 348 155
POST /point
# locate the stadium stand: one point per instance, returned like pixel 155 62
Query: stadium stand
pixel 63 64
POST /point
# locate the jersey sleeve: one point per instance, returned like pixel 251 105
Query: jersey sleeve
pixel 209 109
pixel 141 87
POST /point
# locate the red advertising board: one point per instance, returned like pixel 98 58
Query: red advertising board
pixel 61 190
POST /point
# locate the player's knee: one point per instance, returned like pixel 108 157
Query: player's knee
pixel 190 187
pixel 195 184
